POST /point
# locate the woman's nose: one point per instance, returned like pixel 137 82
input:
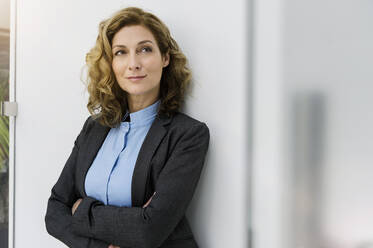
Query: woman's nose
pixel 134 63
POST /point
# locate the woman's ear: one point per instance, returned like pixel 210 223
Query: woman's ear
pixel 166 59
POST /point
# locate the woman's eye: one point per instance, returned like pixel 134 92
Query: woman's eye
pixel 119 52
pixel 146 49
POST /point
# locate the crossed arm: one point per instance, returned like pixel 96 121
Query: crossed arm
pixel 76 204
pixel 94 224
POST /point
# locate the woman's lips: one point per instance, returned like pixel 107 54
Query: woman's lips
pixel 136 78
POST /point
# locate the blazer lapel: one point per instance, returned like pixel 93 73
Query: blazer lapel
pixel 89 151
pixel 153 138
pixel 142 167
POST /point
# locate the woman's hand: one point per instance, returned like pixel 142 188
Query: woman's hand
pixel 75 206
pixel 147 203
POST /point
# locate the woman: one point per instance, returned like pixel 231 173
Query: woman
pixel 136 163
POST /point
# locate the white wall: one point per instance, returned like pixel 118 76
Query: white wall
pixel 267 172
pixel 52 40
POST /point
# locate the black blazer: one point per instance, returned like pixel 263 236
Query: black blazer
pixel 169 163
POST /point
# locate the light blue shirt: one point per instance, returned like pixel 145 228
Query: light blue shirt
pixel 109 178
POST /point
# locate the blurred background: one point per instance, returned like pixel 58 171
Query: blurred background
pixel 4 121
pixel 285 86
pixel 313 137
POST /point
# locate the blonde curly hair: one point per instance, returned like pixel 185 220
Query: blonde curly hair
pixel 107 101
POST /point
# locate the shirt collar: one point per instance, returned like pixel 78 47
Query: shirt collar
pixel 143 115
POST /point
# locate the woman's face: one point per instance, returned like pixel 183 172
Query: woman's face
pixel 137 61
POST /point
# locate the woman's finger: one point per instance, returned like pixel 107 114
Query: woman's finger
pixel 75 206
pixel 147 203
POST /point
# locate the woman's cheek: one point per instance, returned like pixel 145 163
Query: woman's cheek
pixel 118 65
pixel 150 63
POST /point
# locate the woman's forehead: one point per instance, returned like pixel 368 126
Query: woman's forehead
pixel 133 36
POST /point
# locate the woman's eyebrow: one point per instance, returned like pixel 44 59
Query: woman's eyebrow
pixel 141 42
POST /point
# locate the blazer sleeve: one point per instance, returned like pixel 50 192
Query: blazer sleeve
pixel 58 217
pixel 149 227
